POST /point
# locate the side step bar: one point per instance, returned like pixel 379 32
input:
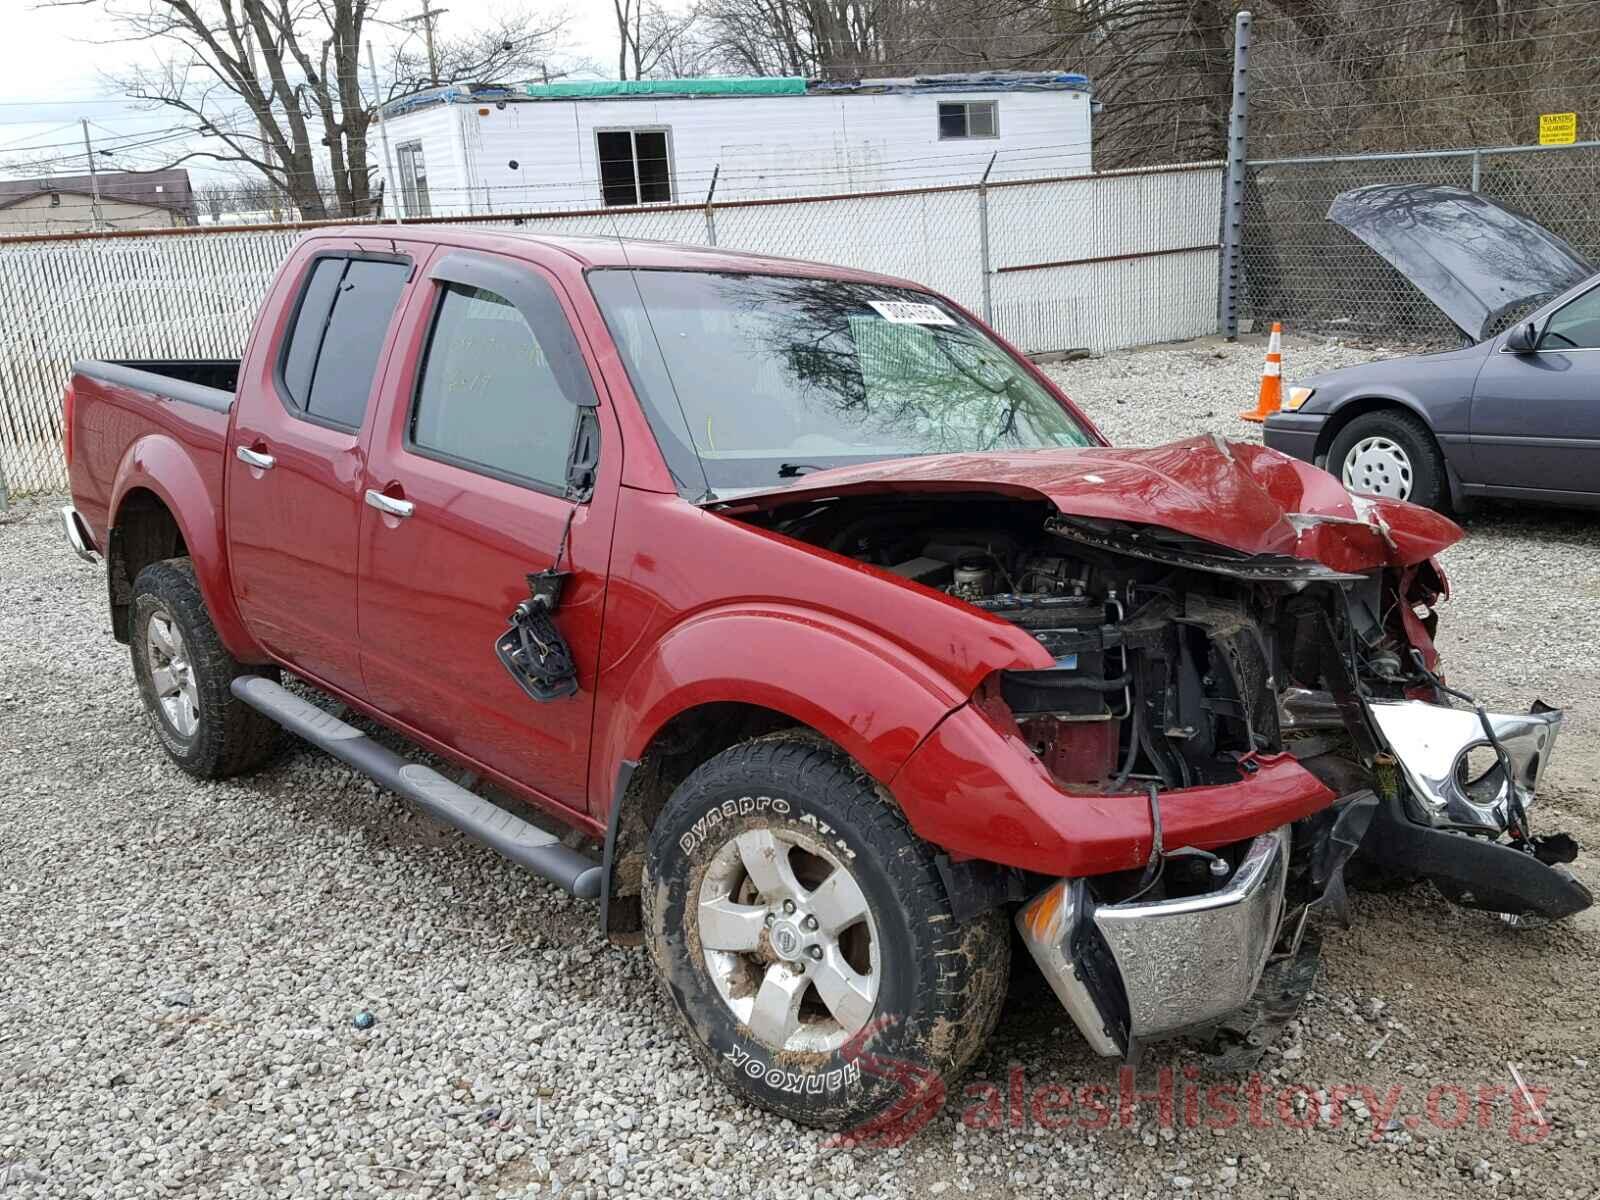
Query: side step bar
pixel 523 843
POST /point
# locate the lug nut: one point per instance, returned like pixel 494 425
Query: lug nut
pixel 809 923
pixel 788 906
pixel 815 952
pixel 769 919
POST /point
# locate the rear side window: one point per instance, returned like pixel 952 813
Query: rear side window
pixel 488 399
pixel 331 357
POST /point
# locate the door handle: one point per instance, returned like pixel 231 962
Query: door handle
pixel 389 505
pixel 254 458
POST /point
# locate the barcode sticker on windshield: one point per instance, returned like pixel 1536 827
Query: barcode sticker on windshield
pixel 904 312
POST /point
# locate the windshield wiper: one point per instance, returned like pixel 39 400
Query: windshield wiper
pixel 792 470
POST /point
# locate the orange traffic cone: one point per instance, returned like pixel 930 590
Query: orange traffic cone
pixel 1271 397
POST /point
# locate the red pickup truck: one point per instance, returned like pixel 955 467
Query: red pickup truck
pixel 839 639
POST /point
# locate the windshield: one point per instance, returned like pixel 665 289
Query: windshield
pixel 751 379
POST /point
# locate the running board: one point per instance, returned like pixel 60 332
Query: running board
pixel 522 842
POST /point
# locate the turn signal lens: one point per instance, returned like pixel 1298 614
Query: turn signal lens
pixel 1296 397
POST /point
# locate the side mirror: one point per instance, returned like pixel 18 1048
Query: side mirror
pixel 1523 338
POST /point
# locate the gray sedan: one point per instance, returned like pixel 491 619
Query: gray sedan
pixel 1516 414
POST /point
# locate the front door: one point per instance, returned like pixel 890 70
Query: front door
pixel 295 468
pixel 1536 417
pixel 471 490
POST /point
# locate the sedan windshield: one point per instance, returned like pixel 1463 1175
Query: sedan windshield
pixel 751 379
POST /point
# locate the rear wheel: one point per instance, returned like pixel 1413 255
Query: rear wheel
pixel 1390 454
pixel 805 936
pixel 185 674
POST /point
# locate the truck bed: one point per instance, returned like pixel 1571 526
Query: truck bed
pixel 208 382
pixel 153 402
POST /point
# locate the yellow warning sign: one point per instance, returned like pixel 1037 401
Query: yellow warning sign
pixel 1558 129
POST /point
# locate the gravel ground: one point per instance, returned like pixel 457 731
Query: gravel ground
pixel 183 962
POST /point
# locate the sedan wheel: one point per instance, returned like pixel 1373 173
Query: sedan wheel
pixel 1377 466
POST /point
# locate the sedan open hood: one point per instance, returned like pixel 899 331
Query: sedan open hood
pixel 1473 258
pixel 1243 497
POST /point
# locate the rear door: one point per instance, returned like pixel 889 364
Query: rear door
pixel 295 468
pixel 1536 417
pixel 470 489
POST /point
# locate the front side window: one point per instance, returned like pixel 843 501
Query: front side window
pixel 488 399
pixel 752 379
pixel 635 166
pixel 331 358
pixel 1575 325
pixel 968 119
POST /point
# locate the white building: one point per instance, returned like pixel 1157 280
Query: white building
pixel 516 148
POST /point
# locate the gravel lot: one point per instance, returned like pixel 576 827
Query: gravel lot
pixel 182 962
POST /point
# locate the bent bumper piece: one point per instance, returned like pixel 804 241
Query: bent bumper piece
pixel 77 534
pixel 1179 963
pixel 976 791
pixel 1433 742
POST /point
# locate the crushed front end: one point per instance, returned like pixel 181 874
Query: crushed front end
pixel 1225 664
pixel 1220 734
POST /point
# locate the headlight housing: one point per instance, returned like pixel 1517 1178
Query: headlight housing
pixel 1296 397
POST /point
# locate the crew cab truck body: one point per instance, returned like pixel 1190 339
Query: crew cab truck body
pixel 838 632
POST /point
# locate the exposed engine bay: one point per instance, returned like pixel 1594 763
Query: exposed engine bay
pixel 1181 664
pixel 1174 658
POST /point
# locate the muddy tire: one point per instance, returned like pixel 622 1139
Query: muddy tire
pixel 805 937
pixel 1390 453
pixel 184 674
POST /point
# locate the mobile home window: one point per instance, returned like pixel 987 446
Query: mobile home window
pixel 413 179
pixel 635 166
pixel 969 119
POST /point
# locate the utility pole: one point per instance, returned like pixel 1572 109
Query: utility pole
pixel 391 182
pixel 94 178
pixel 426 16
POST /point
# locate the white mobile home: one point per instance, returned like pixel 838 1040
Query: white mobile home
pixel 469 149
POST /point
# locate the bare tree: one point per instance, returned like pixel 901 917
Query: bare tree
pixel 278 83
pixel 655 41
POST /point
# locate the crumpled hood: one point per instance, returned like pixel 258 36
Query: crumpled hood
pixel 1473 258
pixel 1237 495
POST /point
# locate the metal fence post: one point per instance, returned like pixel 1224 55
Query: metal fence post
pixel 1477 169
pixel 983 241
pixel 1233 182
pixel 711 213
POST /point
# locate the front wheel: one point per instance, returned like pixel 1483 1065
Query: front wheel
pixel 805 936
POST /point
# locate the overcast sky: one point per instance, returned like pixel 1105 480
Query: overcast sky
pixel 51 75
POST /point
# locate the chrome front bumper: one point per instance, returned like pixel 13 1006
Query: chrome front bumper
pixel 1182 963
pixel 1433 742
pixel 77 534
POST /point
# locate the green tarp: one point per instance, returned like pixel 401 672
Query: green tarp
pixel 600 89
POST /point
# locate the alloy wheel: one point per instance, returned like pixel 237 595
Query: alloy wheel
pixel 172 674
pixel 789 939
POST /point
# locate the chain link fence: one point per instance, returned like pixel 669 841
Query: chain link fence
pixel 1100 261
pixel 1301 269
